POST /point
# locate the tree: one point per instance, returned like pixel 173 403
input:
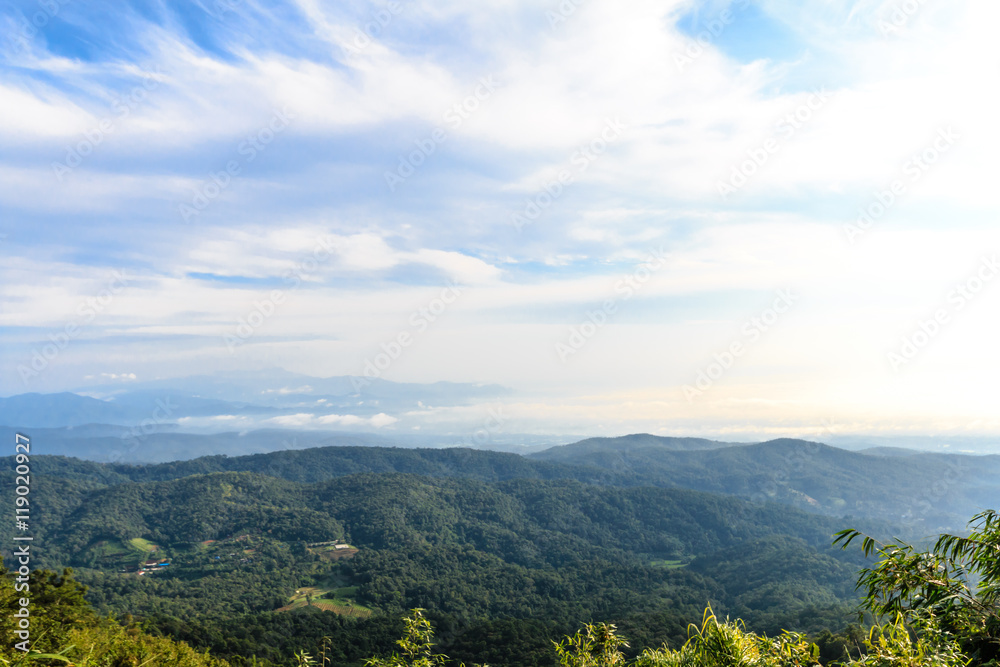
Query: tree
pixel 417 646
pixel 952 588
pixel 713 644
pixel 596 645
pixel 64 630
pixel 728 644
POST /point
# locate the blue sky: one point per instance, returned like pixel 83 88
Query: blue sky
pixel 632 183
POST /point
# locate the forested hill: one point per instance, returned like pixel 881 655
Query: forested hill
pixel 929 492
pixel 397 510
pixel 926 492
pixel 323 463
pixel 478 554
pixel 628 443
pixel 247 555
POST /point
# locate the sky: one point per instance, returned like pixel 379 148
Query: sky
pixel 686 218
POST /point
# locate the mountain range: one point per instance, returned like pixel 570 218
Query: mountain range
pixel 272 396
pixel 921 492
pixel 267 553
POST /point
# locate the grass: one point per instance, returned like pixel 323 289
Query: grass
pixel 106 549
pixel 330 552
pixel 115 553
pixel 357 611
pixel 668 564
pixel 340 602
pixel 143 545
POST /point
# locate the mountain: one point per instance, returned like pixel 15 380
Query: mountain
pixel 932 492
pixel 133 445
pixel 923 492
pixel 63 409
pixel 70 410
pixel 272 397
pixel 608 448
pixel 889 451
pixel 317 464
pixel 242 547
pixel 281 389
pixel 268 553
pixel 942 444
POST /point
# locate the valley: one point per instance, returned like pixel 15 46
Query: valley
pixel 341 541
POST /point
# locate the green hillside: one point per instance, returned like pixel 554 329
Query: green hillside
pixel 926 493
pixel 547 553
pixel 922 493
pixel 260 556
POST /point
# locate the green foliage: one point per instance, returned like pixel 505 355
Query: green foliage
pixel 482 555
pixel 65 631
pixel 956 583
pixel 713 644
pixel 595 645
pixel 807 475
pixel 918 643
pixel 504 564
pixel 57 607
pixel 416 646
pixel 728 644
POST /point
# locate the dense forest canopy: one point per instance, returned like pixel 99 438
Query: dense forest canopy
pixel 261 557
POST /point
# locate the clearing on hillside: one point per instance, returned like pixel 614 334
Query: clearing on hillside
pixel 329 599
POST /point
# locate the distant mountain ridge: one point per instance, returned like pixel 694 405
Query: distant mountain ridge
pixel 629 443
pixel 932 492
pixel 109 443
pixel 261 395
pixel 924 492
pixel 279 388
pixel 63 409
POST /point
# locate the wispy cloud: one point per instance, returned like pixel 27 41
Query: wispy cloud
pixel 367 83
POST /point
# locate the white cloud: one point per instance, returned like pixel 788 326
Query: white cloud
pixel 305 389
pixel 307 420
pixel 655 185
pixel 305 252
